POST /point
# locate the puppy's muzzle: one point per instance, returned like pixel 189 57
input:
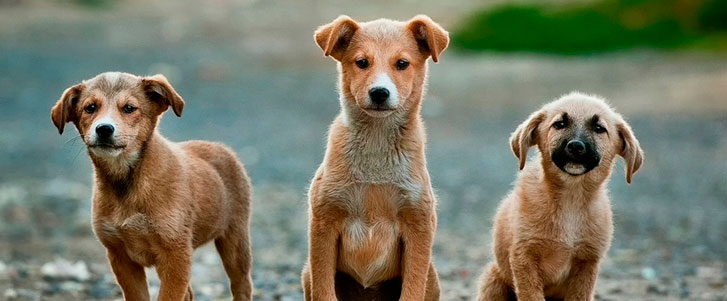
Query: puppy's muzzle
pixel 575 148
pixel 105 137
pixel 104 132
pixel 379 96
pixel 576 156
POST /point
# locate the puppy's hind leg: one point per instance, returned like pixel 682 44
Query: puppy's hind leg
pixel 305 281
pixel 432 292
pixel 190 294
pixel 493 287
pixel 234 249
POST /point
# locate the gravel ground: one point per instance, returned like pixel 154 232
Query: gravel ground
pixel 263 88
pixel 61 279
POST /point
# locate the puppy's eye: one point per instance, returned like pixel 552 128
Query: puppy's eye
pixel 599 129
pixel 402 64
pixel 362 63
pixel 561 124
pixel 128 109
pixel 90 109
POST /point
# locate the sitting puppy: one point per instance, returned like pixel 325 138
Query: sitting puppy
pixel 551 232
pixel 155 201
pixel 372 210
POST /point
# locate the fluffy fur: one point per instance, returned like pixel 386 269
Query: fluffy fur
pixel 155 201
pixel 372 209
pixel 551 232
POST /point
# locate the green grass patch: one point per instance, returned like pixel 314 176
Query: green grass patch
pixel 596 27
pixel 95 4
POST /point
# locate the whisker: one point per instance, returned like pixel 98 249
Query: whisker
pixel 80 149
pixel 72 139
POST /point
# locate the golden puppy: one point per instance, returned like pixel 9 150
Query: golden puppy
pixel 372 210
pixel 155 201
pixel 553 229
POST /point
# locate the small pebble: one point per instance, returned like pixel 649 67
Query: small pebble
pixel 712 275
pixel 61 269
pixel 10 294
pixel 615 290
pixel 648 273
pixel 656 289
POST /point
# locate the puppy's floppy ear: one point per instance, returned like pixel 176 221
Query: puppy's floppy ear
pixel 64 109
pixel 630 150
pixel 431 38
pixel 158 88
pixel 525 136
pixel 334 37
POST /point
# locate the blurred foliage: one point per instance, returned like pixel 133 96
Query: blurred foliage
pixel 713 16
pixel 95 3
pixel 595 27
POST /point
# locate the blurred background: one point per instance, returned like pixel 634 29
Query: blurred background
pixel 254 79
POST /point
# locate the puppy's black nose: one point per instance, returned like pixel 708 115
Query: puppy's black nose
pixel 104 130
pixel 575 148
pixel 379 95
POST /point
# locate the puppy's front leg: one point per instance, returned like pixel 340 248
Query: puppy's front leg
pixel 418 235
pixel 323 257
pixel 174 267
pixel 583 281
pixel 130 275
pixel 526 274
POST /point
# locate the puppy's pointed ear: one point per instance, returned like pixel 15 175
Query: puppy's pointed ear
pixel 334 37
pixel 431 38
pixel 630 150
pixel 157 88
pixel 525 136
pixel 64 110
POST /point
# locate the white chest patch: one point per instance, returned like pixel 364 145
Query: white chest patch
pixel 356 233
pixel 369 248
pixel 571 223
pixel 360 233
pixel 373 156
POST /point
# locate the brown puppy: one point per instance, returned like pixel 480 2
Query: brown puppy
pixel 372 210
pixel 552 230
pixel 154 201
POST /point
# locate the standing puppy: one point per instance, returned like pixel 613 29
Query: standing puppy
pixel 155 201
pixel 372 209
pixel 551 232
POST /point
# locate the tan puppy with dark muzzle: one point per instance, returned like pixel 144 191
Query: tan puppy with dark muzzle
pixel 553 229
pixel 372 209
pixel 155 201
